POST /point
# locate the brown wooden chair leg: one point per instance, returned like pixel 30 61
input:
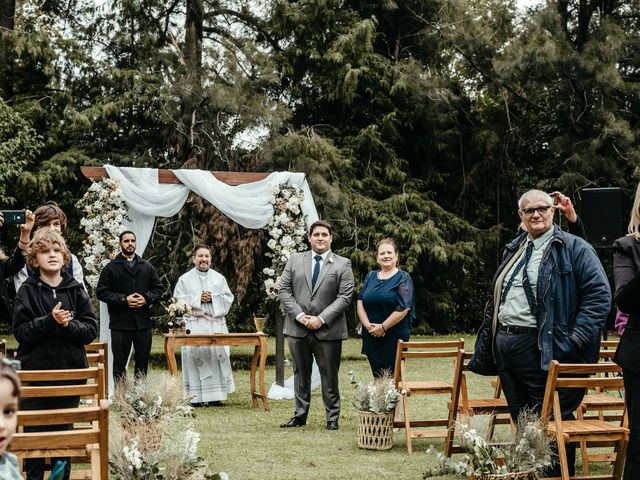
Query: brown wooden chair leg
pixel 407 421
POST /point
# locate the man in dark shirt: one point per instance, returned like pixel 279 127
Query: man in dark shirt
pixel 129 286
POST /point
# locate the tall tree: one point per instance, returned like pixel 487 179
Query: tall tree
pixel 367 78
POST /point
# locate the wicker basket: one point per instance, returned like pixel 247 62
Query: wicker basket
pixel 375 430
pixel 532 475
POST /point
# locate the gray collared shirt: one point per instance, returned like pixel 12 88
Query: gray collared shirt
pixel 515 310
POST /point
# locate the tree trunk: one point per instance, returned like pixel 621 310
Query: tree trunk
pixel 7 14
pixel 193 38
pixel 193 75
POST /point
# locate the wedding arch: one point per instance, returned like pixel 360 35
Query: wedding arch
pixel 244 197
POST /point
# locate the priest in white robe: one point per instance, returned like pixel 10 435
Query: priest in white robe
pixel 206 371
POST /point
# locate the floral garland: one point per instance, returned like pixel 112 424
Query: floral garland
pixel 287 229
pixel 105 209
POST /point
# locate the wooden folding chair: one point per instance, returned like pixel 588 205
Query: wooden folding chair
pixel 496 406
pixel 594 432
pixel 608 405
pixel 405 380
pixel 91 444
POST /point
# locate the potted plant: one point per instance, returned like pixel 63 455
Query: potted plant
pixel 376 403
pixel 523 459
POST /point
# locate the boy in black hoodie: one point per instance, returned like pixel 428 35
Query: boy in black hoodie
pixel 52 320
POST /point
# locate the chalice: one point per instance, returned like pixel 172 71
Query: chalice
pixel 259 322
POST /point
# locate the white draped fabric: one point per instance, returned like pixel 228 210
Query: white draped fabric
pixel 248 204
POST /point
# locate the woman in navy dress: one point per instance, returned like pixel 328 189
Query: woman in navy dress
pixel 385 308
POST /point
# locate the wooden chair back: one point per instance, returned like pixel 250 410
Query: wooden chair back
pixel 98 353
pixel 593 432
pixel 90 440
pixel 608 350
pixel 417 381
pixel 91 383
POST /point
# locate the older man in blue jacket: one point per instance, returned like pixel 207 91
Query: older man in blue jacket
pixel 550 300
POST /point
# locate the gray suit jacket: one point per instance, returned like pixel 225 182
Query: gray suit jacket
pixel 329 300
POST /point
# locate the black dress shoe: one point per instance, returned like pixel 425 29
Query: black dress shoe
pixel 294 422
pixel 216 403
pixel 332 425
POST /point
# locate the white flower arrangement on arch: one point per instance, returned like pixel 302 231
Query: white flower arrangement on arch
pixel 287 231
pixel 105 209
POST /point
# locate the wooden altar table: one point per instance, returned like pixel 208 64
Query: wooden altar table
pixel 171 340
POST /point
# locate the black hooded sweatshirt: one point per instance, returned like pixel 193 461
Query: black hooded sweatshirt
pixel 44 344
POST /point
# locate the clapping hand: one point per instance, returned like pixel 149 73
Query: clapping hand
pixel 63 317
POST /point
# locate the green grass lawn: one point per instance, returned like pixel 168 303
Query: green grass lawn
pixel 247 443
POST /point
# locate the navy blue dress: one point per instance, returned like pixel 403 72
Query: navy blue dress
pixel 380 298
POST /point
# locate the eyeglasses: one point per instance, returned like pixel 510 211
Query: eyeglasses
pixel 541 210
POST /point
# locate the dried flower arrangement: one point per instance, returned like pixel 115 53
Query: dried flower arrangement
pixel 150 435
pixel 529 453
pixel 378 396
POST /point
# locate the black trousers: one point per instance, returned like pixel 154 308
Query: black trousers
pixel 121 343
pixel 632 397
pixel 35 467
pixel 524 381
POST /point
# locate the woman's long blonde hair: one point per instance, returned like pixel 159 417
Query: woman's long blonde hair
pixel 634 221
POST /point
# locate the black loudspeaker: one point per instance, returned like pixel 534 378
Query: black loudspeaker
pixel 602 215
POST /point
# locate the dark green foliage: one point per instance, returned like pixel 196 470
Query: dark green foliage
pixel 422 120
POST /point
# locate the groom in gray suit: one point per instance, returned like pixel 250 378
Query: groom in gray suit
pixel 315 289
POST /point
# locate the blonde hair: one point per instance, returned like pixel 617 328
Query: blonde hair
pixel 43 239
pixel 634 221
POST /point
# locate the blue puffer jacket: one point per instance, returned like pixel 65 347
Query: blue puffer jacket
pixel 574 300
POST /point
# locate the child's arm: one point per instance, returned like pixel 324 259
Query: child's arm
pixel 29 329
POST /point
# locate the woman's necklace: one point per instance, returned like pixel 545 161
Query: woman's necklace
pixel 382 275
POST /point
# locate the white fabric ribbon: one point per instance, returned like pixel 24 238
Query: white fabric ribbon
pixel 248 204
